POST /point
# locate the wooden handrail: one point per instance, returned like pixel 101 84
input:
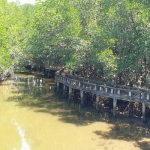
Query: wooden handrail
pixel 104 90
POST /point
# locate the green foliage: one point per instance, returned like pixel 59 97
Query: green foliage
pixel 56 22
pixel 108 60
pixel 107 40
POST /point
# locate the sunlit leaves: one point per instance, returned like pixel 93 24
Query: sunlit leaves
pixel 108 61
pixel 105 39
pixel 55 23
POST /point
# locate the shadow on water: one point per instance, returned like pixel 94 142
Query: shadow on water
pixel 43 99
pixel 128 131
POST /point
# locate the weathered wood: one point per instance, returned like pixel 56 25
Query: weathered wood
pixel 147 96
pixel 57 86
pixel 70 91
pixel 97 102
pixel 112 91
pixel 81 97
pixel 121 93
pixel 64 88
pixel 49 66
pixel 143 110
pixel 114 105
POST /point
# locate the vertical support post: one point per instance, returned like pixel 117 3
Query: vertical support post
pixel 143 110
pixel 100 88
pixel 79 84
pixel 70 91
pixel 81 97
pixel 111 91
pixel 147 96
pixel 64 87
pixel 84 86
pixel 97 102
pixel 118 92
pixel 130 93
pixel 57 86
pixel 90 87
pixel 106 89
pixel 142 96
pixel 114 105
pixel 68 81
pixel 138 95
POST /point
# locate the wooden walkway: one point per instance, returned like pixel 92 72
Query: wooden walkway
pixel 50 69
pixel 115 92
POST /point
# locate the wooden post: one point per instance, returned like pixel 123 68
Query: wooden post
pixel 64 87
pixel 90 87
pixel 118 92
pixel 106 89
pixel 97 102
pixel 142 95
pixel 143 110
pixel 70 91
pixel 57 86
pixel 79 84
pixel 63 79
pixel 111 91
pixel 114 103
pixel 100 88
pixel 83 85
pixel 139 95
pixel 68 81
pixel 81 96
pixel 114 106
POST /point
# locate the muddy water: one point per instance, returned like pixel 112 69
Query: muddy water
pixel 32 117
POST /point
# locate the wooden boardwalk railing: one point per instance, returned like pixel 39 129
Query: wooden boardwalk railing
pixel 113 91
pixel 50 69
pixel 53 66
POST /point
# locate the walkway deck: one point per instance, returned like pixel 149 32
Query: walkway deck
pixel 52 66
pixel 115 92
pixel 50 69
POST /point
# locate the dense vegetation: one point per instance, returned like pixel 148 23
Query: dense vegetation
pixel 107 40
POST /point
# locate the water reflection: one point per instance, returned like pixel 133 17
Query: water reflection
pixel 101 130
pixel 39 92
pixel 30 81
pixel 24 144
